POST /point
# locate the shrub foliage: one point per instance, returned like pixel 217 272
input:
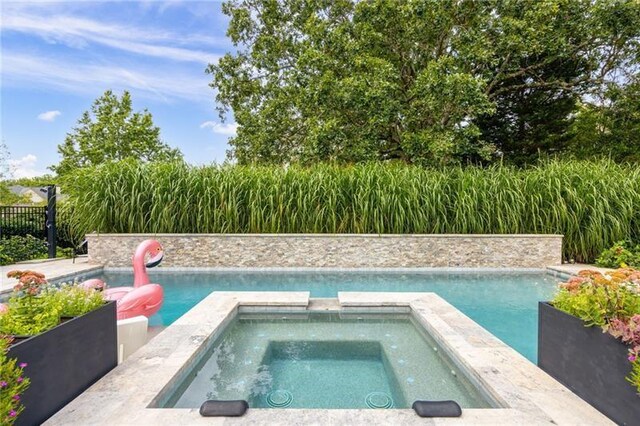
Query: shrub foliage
pixel 593 204
pixel 621 255
pixel 18 248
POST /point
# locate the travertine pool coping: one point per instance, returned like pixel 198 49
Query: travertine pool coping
pixel 525 393
pixel 60 270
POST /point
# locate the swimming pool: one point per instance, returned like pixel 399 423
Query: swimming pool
pixel 505 303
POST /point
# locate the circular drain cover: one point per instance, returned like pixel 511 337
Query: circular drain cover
pixel 279 398
pixel 379 400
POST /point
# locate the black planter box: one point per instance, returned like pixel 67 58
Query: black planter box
pixel 591 363
pixel 64 361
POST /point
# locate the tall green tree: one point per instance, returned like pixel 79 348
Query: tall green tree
pixel 611 126
pixel 579 49
pixel 112 131
pixel 422 81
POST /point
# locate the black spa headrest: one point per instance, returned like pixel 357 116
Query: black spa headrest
pixel 213 408
pixel 437 408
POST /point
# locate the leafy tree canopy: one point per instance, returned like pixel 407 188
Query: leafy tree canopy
pixel 112 131
pixel 43 180
pixel 611 126
pixel 423 81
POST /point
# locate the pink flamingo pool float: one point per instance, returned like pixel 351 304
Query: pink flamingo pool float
pixel 143 298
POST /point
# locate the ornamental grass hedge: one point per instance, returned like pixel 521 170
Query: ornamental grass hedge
pixel 593 203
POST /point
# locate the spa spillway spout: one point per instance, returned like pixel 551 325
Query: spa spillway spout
pixel 437 408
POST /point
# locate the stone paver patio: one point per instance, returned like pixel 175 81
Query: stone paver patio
pixel 54 269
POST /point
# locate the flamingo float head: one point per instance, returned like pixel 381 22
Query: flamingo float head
pixel 155 253
pixel 148 254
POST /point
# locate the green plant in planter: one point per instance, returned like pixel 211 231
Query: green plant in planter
pixel 28 316
pixel 598 299
pixel 30 311
pixel 611 302
pixel 597 305
pixel 634 377
pixel 629 332
pixel 74 300
pixel 35 307
pixel 12 385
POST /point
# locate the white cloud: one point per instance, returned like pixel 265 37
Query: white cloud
pixel 228 129
pixel 82 71
pixel 49 115
pixel 78 33
pixel 87 78
pixel 25 167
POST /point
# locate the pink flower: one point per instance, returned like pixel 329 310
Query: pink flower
pixel 12 413
pixel 632 358
pixel 22 365
pixel 3 384
pixel 20 379
pixel 16 397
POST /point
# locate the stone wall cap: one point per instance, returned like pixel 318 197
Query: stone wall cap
pixel 142 235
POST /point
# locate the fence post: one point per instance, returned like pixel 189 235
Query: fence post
pixel 51 221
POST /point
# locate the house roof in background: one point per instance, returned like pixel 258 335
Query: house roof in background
pixel 35 193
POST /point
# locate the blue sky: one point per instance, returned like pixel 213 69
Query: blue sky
pixel 56 58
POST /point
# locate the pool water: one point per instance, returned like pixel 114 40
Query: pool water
pixel 325 360
pixel 504 303
pixel 307 365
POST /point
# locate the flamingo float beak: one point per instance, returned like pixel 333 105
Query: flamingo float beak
pixel 155 260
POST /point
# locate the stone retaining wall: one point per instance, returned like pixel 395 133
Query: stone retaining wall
pixel 334 250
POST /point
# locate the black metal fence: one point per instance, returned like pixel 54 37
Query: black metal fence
pixel 20 220
pixel 37 221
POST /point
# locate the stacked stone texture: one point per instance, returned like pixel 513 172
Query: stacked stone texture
pixel 334 251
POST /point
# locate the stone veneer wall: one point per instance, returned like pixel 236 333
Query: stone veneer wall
pixel 334 250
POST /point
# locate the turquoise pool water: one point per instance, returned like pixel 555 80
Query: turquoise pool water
pixel 504 303
pixel 323 360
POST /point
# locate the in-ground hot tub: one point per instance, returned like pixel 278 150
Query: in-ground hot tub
pixel 326 360
pixel 495 384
